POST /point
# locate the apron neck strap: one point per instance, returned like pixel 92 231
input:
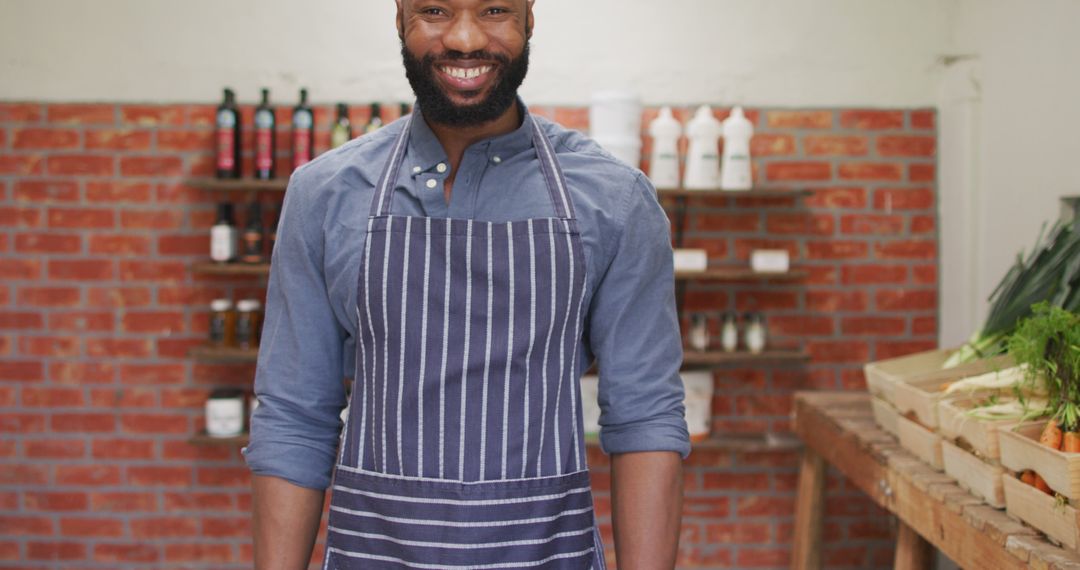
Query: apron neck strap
pixel 549 165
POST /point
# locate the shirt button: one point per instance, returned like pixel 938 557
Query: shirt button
pixel 441 168
pixel 432 183
pixel 496 159
pixel 416 169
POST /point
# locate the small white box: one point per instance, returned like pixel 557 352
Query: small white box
pixel 770 261
pixel 691 260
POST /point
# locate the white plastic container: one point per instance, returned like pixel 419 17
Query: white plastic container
pixel 625 149
pixel 665 131
pixel 703 158
pixel 698 402
pixel 735 171
pixel 615 114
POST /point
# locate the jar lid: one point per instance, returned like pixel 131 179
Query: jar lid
pixel 248 305
pixel 220 305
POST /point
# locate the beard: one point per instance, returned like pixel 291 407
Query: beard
pixel 438 108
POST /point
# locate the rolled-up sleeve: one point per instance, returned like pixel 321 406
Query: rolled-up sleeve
pixel 634 335
pixel 299 377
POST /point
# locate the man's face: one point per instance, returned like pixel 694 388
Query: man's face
pixel 465 59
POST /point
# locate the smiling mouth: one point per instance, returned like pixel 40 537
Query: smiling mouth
pixel 465 72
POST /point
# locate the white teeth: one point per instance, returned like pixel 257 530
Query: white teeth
pixel 462 73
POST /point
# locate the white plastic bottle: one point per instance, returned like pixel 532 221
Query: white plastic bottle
pixel 736 172
pixel 664 161
pixel 703 158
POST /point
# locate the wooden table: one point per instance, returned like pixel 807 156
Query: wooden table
pixel 932 510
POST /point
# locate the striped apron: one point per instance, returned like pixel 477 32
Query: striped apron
pixel 463 446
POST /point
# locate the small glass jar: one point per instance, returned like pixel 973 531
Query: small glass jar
pixel 222 323
pixel 248 323
pixel 755 334
pixel 729 332
pixel 225 413
pixel 699 332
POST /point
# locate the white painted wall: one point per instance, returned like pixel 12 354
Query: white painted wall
pixel 761 52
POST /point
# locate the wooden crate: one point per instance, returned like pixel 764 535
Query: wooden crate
pixel 981 478
pixel 885 415
pixel 980 435
pixel 1059 521
pixel 1021 450
pixel 923 443
pixel 882 376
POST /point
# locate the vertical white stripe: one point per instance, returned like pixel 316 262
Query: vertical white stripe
pixel 394 161
pixel 386 334
pixel 532 341
pixel 562 359
pixel 547 349
pixel 465 357
pixel 407 238
pixel 371 381
pixel 575 387
pixel 509 346
pixel 423 354
pixel 549 154
pixel 445 345
pixel 487 359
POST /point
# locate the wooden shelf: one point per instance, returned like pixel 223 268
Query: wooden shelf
pixel 738 274
pixel 211 268
pixel 238 184
pixel 718 193
pixel 213 353
pixel 693 358
pixel 202 439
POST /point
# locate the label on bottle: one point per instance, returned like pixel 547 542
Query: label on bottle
pixel 226 153
pixel 339 136
pixel 264 144
pixel 222 243
pixel 245 330
pixel 252 247
pixel 301 147
pixel 217 327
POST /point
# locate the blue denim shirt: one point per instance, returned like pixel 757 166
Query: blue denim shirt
pixel 308 339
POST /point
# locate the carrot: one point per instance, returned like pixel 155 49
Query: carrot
pixel 1051 435
pixel 1028 476
pixel 1071 443
pixel 1042 486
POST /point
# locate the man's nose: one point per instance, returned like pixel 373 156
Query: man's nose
pixel 466 35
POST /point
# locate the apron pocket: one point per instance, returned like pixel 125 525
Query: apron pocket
pixel 423 523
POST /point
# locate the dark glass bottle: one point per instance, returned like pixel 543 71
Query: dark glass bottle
pixel 341 132
pixel 228 137
pixel 265 138
pixel 251 241
pixel 405 109
pixel 303 135
pixel 375 122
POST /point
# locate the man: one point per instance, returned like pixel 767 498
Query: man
pixel 466 317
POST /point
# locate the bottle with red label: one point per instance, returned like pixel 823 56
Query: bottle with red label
pixel 265 138
pixel 228 137
pixel 303 134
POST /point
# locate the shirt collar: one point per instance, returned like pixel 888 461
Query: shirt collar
pixel 427 152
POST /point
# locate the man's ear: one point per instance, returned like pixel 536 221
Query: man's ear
pixel 529 19
pixel 399 19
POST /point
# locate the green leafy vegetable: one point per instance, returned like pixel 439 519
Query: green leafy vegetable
pixel 1047 345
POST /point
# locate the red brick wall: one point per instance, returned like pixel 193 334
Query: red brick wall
pixel 99 306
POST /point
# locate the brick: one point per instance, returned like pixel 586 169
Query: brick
pixel 799 119
pixel 706 506
pixel 81 372
pixel 80 165
pixel 184 451
pixel 888 326
pixel 81 321
pixel 766 300
pixel 151 166
pixel 119 245
pixel 870 119
pixel 81 270
pixel 48 243
pixel 923 224
pixel 205 115
pixel 836 250
pixel 45 139
pixel 744 247
pixel 152 373
pixel 46 191
pixel 924 325
pixel 764 506
pixel 152 115
pixel 893 349
pixel 153 476
pixel 24 474
pixel 118 139
pixel 904 199
pixel 125 397
pixel 800 325
pixel 84 423
pixel 57 347
pixel 113 192
pixel 155 423
pixel 922 250
pixel 82 114
pixel 188 295
pixel 185 141
pixel 21 423
pixel 873 274
pixel 905 300
pixel 728 222
pixel 231 527
pixel 130 297
pixel 21 164
pixel 126 553
pixel 119 348
pixel 192 398
pixel 151 220
pixel 124 502
pixel 55 551
pixel 92 527
pixel 922 172
pixel 164 527
pixel 201 220
pixel 834 145
pixel 166 271
pixel 22 370
pixel 923 119
pixel 800 223
pixel 16 525
pixel 46 501
pixel 798 171
pixel 52 397
pixel 177 348
pixel 735 481
pixel 181 194
pixel 184 244
pixel 871 224
pixel 918 146
pixel 81 218
pixel 122 449
pixel 20 320
pixel 853 379
pixel 87 475
pixel 855 352
pixel 924 274
pixel 20 217
pixel 20 113
pixel 152 322
pixel 198 552
pixel 55 449
pixel 763 405
pixel 224 476
pixel 765 144
pixel 871 171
